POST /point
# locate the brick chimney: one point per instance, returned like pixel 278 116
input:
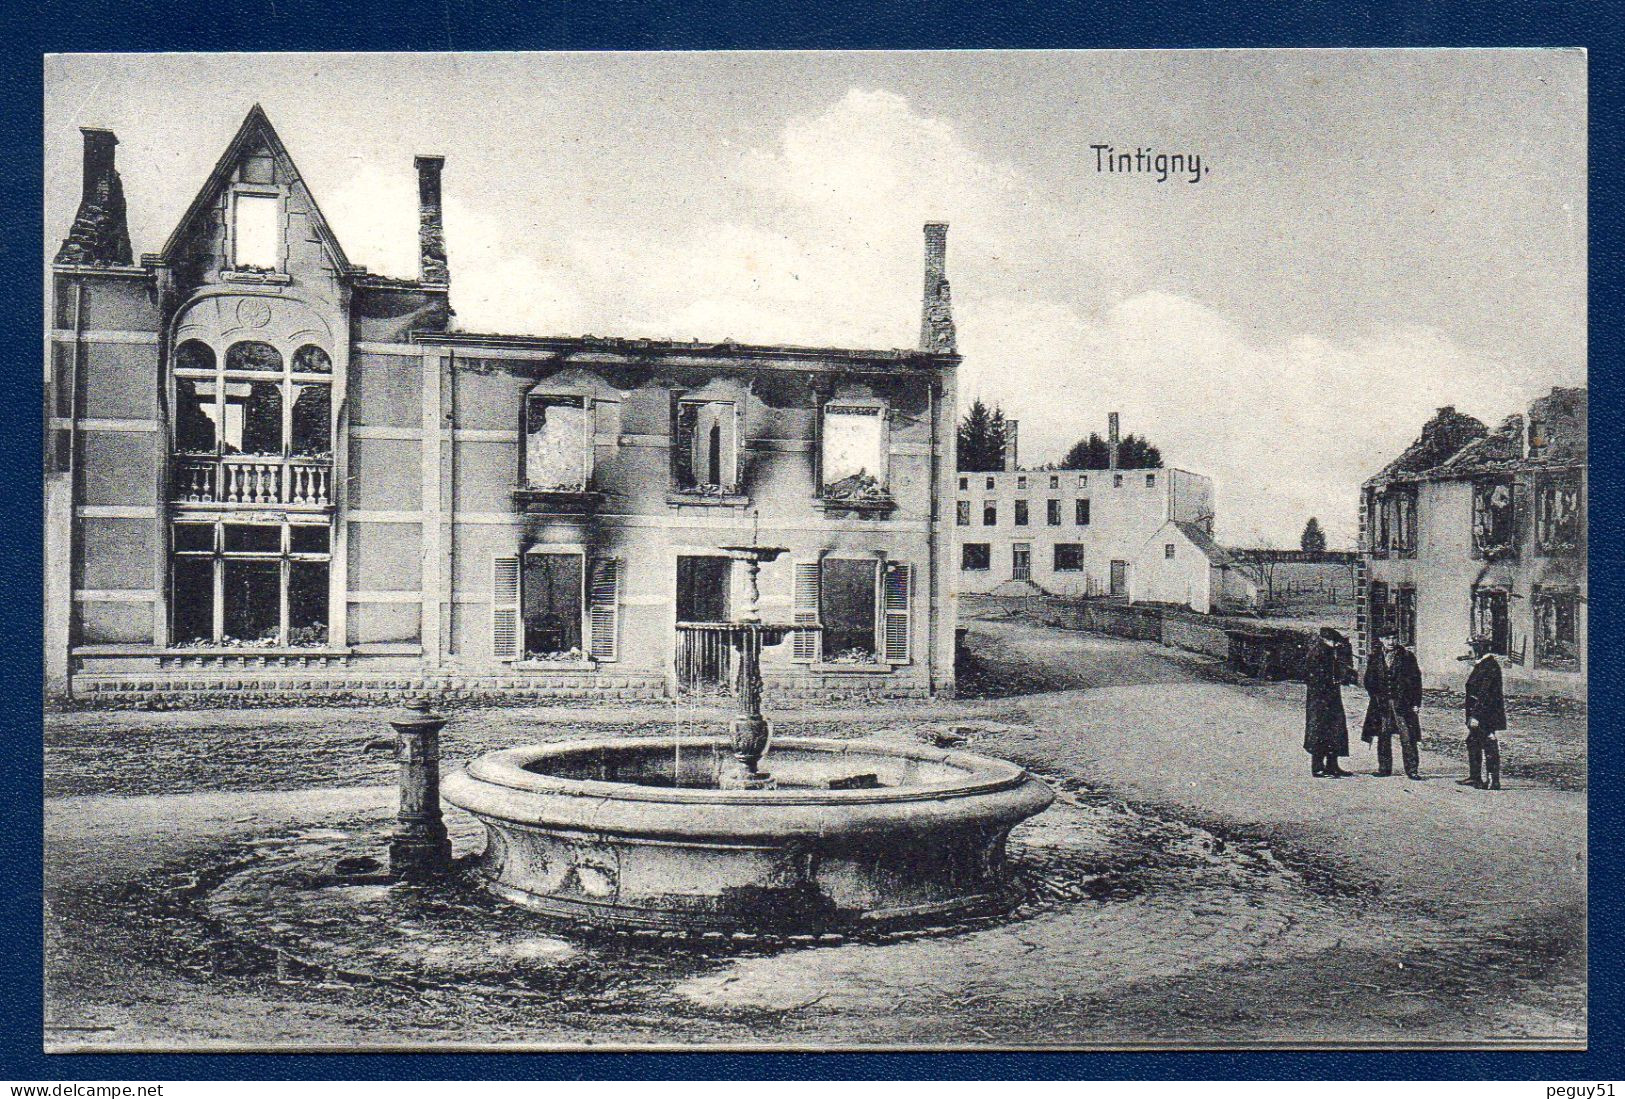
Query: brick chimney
pixel 1112 439
pixel 1011 437
pixel 937 310
pixel 99 236
pixel 432 269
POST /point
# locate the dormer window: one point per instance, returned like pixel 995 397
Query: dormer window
pixel 558 443
pixel 256 238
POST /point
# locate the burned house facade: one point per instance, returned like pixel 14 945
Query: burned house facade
pixel 270 470
pixel 1471 532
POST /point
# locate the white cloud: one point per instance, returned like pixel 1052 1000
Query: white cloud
pixel 817 240
pixel 1287 429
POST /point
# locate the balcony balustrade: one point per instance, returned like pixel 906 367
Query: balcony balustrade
pixel 243 481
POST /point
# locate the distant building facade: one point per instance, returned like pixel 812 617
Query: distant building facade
pixel 1067 532
pixel 1471 531
pixel 270 470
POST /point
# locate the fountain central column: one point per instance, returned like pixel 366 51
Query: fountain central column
pixel 749 732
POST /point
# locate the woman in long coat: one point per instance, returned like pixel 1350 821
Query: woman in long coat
pixel 1329 665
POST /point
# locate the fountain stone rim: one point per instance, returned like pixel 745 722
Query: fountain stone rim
pixel 510 768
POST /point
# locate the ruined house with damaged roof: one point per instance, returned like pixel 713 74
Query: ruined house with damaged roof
pixel 270 470
pixel 1472 531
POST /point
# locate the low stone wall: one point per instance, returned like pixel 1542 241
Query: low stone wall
pixel 1195 636
pixel 238 690
pixel 1176 627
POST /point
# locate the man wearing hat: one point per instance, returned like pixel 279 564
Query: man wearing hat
pixel 1328 665
pixel 1394 683
pixel 1486 715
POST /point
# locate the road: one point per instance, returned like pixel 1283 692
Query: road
pixel 1211 891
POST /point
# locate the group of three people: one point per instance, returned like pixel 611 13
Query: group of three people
pixel 1393 682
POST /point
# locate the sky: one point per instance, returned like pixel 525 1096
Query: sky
pixel 1377 233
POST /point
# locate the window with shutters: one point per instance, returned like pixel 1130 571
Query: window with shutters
pixel 847 610
pixel 555 606
pixel 897 592
pixel 806 643
pixel 551 590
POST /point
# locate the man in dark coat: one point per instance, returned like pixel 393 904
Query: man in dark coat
pixel 1394 682
pixel 1328 665
pixel 1486 716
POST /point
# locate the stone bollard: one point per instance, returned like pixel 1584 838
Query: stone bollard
pixel 419 847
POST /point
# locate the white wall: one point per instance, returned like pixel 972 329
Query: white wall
pixel 1186 579
pixel 1121 518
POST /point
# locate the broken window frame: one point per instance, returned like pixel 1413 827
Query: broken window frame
pixel 860 485
pixel 221 556
pixel 267 197
pixel 726 428
pixel 578 479
pixel 1394 520
pixel 226 370
pixel 1494 526
pixel 1554 650
pixel 1485 600
pixel 1558 528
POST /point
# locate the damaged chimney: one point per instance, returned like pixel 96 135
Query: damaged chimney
pixel 937 310
pixel 432 269
pixel 1011 437
pixel 99 236
pixel 1112 439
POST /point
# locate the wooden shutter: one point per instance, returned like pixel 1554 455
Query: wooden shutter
pixel 895 599
pixel 806 645
pixel 605 609
pixel 505 625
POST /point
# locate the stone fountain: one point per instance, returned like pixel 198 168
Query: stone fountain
pixel 692 834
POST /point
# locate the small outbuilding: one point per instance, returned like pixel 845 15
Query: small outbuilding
pixel 1181 565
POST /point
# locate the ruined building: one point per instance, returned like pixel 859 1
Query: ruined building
pixel 1471 531
pixel 1072 532
pixel 269 470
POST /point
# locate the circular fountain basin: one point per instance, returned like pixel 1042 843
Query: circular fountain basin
pixel 638 833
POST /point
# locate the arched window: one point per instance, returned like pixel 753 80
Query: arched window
pixel 312 421
pixel 253 355
pixel 311 359
pixel 194 355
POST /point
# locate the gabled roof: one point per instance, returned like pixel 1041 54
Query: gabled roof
pixel 255 130
pixel 1203 541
